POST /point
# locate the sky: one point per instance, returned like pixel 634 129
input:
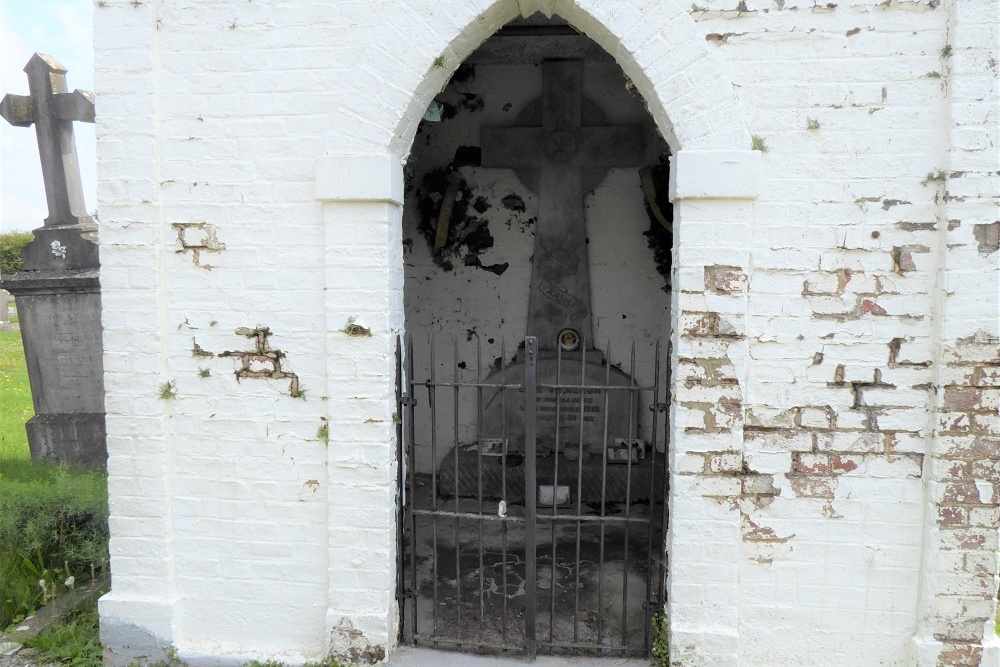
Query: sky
pixel 62 29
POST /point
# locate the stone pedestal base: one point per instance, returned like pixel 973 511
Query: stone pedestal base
pixel 75 438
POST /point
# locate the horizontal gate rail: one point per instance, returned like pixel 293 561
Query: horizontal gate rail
pixel 468 515
pixel 590 517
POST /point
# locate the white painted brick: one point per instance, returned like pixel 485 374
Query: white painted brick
pixel 285 110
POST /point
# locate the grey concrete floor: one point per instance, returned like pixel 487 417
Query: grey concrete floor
pixel 581 592
pixel 409 656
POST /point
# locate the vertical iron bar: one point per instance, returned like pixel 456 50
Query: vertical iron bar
pixel 530 489
pixel 555 485
pixel 479 448
pixel 400 491
pixel 604 482
pixel 410 433
pixel 668 395
pixel 431 395
pixel 628 496
pixel 458 531
pixel 652 491
pixel 579 490
pixel 503 481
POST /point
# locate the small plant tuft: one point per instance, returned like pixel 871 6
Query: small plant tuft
pixel 213 323
pixel 328 662
pixel 936 176
pixel 758 144
pixel 698 8
pixel 932 75
pixel 204 373
pixel 356 330
pixel 945 52
pixel 661 642
pixel 439 62
pixel 812 124
pixel 197 351
pixel 168 390
pixel 396 419
pixel 323 432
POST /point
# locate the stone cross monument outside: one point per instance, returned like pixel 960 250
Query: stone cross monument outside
pixel 58 290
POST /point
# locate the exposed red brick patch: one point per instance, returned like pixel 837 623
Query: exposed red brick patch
pixel 956 470
pixel 725 462
pixel 844 463
pixel 955 423
pixel 988 237
pixel 969 539
pixel 706 324
pixel 961 492
pixel 902 260
pixel 724 279
pixel 869 307
pixel 949 517
pixel 960 654
pixel 756 533
pixel 961 399
pixel 807 486
pixel 987 470
pixel 814 464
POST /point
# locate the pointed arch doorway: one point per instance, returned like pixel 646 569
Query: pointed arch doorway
pixel 533 385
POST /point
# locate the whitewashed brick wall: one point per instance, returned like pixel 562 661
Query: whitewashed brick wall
pixel 835 433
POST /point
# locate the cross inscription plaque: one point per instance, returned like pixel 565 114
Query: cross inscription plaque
pixel 556 160
pixel 559 150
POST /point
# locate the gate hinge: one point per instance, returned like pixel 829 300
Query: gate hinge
pixel 659 407
pixel 407 401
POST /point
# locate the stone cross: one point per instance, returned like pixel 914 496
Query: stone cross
pixel 559 150
pixel 58 290
pixel 52 110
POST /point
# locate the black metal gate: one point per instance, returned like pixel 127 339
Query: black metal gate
pixel 539 530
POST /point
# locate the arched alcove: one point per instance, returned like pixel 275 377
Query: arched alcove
pixel 536 204
pixel 715 177
pixel 686 86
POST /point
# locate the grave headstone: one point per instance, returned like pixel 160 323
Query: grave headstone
pixel 4 308
pixel 561 159
pixel 58 289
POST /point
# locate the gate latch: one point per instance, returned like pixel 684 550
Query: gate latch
pixel 659 407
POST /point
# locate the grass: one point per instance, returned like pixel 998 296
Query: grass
pixel 53 525
pixel 75 641
pixel 15 398
pixel 53 518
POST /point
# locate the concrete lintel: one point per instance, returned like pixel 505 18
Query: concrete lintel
pixel 715 175
pixel 358 178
